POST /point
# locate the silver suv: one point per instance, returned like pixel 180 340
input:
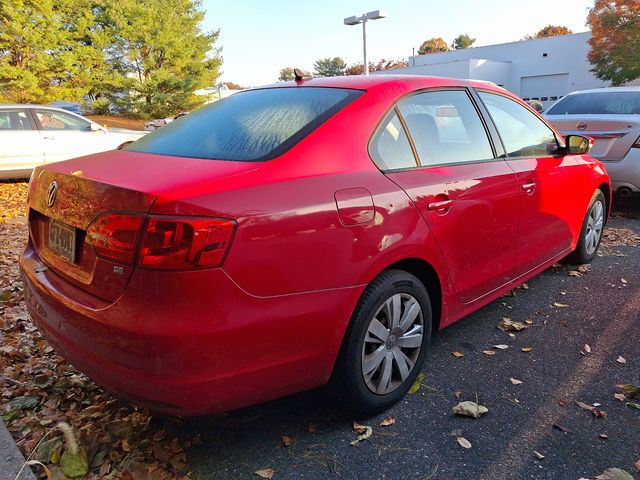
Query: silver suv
pixel 611 116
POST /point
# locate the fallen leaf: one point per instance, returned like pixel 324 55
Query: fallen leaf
pixel 312 428
pixel 470 409
pixel 364 432
pixel 388 422
pixel 586 348
pixel 529 322
pixel 603 436
pixel 515 381
pixel 286 441
pixel 266 473
pixel 416 385
pixel 620 396
pixel 464 443
pixel 457 394
pixel 457 354
pixel 624 281
pixel 585 406
pixel 630 390
pixel 637 465
pixel 538 455
pixel 526 349
pixel 501 347
pixel 489 352
pixel 508 325
pixel 621 359
pixel 614 474
pixel 562 429
pixel 633 405
pixel 560 305
pixel 574 273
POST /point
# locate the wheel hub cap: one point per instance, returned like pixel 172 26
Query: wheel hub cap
pixel 392 343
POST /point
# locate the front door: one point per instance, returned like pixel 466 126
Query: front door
pixel 468 197
pixel 21 146
pixel 546 203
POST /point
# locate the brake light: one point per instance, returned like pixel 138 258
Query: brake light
pixel 184 243
pixel 114 236
pixel 636 144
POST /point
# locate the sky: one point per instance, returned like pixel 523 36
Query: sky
pixel 258 38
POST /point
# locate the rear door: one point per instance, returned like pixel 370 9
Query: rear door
pixel 547 203
pixel 66 135
pixel 21 146
pixel 467 196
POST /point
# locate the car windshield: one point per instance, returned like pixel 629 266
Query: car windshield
pixel 254 125
pixel 598 103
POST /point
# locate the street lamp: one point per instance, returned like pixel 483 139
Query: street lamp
pixel 355 20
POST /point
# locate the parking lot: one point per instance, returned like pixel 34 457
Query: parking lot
pixel 579 344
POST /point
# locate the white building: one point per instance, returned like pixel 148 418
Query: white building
pixel 544 69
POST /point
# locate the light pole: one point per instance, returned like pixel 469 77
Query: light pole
pixel 355 20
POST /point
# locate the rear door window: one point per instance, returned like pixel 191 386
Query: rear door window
pixel 15 120
pixel 390 147
pixel 522 132
pixel 253 125
pixel 445 128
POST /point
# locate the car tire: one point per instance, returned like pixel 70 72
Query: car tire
pixel 591 231
pixel 397 309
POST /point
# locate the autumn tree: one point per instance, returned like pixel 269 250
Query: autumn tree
pixel 286 74
pixel 553 31
pixel 162 54
pixel 49 50
pixel 615 40
pixel 233 86
pixel 329 67
pixel 462 41
pixel 382 64
pixel 433 45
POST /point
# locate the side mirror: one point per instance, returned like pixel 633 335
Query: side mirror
pixel 578 144
pixel 94 127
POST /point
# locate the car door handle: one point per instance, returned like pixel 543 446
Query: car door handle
pixel 442 205
pixel 528 187
pixel 46 137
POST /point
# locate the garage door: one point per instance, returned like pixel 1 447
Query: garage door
pixel 546 88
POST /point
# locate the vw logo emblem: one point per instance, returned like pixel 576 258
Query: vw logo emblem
pixel 52 191
pixel 581 126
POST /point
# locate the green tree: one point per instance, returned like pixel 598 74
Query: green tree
pixel 615 40
pixel 329 67
pixel 433 45
pixel 553 31
pixel 49 50
pixel 462 41
pixel 162 54
pixel 382 64
pixel 286 74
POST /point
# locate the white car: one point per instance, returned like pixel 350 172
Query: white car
pixel 31 135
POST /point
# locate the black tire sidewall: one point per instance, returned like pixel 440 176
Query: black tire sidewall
pixel 354 389
pixel 580 254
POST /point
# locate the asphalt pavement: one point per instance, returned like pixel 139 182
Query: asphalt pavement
pixel 600 309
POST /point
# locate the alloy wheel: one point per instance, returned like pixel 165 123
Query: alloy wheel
pixel 392 343
pixel 595 223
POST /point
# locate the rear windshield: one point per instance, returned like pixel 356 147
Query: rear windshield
pixel 598 103
pixel 254 125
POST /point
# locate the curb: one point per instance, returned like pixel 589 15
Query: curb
pixel 11 460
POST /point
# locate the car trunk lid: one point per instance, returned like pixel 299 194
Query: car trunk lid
pixel 90 188
pixel 613 134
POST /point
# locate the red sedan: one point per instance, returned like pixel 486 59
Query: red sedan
pixel 303 233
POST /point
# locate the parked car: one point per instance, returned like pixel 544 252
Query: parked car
pixel 32 135
pixel 611 116
pixel 308 232
pixel 152 125
pixel 73 107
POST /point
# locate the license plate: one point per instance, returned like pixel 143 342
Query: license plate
pixel 62 240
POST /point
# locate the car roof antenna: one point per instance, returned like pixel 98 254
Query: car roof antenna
pixel 300 75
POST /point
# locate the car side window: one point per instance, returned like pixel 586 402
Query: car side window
pixel 523 133
pixel 390 147
pixel 445 128
pixel 54 120
pixel 15 120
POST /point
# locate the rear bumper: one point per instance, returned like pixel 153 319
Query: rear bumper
pixel 626 172
pixel 194 342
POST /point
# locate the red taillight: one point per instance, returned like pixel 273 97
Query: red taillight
pixel 114 236
pixel 636 144
pixel 183 243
